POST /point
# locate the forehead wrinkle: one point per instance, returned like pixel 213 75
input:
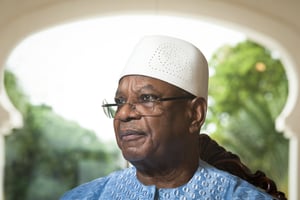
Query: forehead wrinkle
pixel 136 88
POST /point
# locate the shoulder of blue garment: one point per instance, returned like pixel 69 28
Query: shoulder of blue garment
pixel 89 190
pixel 235 189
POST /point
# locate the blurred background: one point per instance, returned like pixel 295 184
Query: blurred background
pixel 58 68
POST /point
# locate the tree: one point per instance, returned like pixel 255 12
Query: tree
pixel 50 155
pixel 248 89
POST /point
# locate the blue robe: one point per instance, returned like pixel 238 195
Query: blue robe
pixel 208 183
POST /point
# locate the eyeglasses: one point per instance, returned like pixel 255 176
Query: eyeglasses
pixel 146 105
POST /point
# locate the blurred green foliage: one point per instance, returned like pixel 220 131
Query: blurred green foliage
pixel 248 89
pixel 49 155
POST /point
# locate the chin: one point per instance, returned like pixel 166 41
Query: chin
pixel 133 156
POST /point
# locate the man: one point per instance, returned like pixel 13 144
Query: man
pixel 161 103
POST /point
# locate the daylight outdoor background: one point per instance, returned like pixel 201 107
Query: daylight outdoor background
pixel 58 78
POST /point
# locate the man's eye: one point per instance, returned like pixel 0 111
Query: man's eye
pixel 120 101
pixel 145 98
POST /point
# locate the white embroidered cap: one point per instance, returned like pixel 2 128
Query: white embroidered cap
pixel 172 60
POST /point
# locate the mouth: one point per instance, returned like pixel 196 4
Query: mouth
pixel 129 135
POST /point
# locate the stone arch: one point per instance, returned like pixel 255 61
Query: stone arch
pixel 260 25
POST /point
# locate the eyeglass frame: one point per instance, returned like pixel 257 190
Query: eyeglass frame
pixel 107 105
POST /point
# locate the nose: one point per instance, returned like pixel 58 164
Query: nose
pixel 127 112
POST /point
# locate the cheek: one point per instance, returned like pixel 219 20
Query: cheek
pixel 172 131
pixel 162 132
pixel 116 125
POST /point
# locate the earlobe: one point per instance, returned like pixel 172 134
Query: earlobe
pixel 199 108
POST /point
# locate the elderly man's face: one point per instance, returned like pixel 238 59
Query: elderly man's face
pixel 152 137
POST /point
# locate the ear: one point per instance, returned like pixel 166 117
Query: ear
pixel 199 108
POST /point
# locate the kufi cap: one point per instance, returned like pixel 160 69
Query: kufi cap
pixel 172 60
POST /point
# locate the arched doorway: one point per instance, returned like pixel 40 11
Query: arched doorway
pixel 257 23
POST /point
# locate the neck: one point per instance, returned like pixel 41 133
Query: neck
pixel 172 174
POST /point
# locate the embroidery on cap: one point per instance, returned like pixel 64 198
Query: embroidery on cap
pixel 170 59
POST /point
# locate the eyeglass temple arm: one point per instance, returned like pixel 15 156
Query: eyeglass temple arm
pixel 109 104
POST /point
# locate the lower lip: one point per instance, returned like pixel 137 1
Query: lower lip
pixel 131 137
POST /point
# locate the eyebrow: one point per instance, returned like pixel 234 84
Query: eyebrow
pixel 145 87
